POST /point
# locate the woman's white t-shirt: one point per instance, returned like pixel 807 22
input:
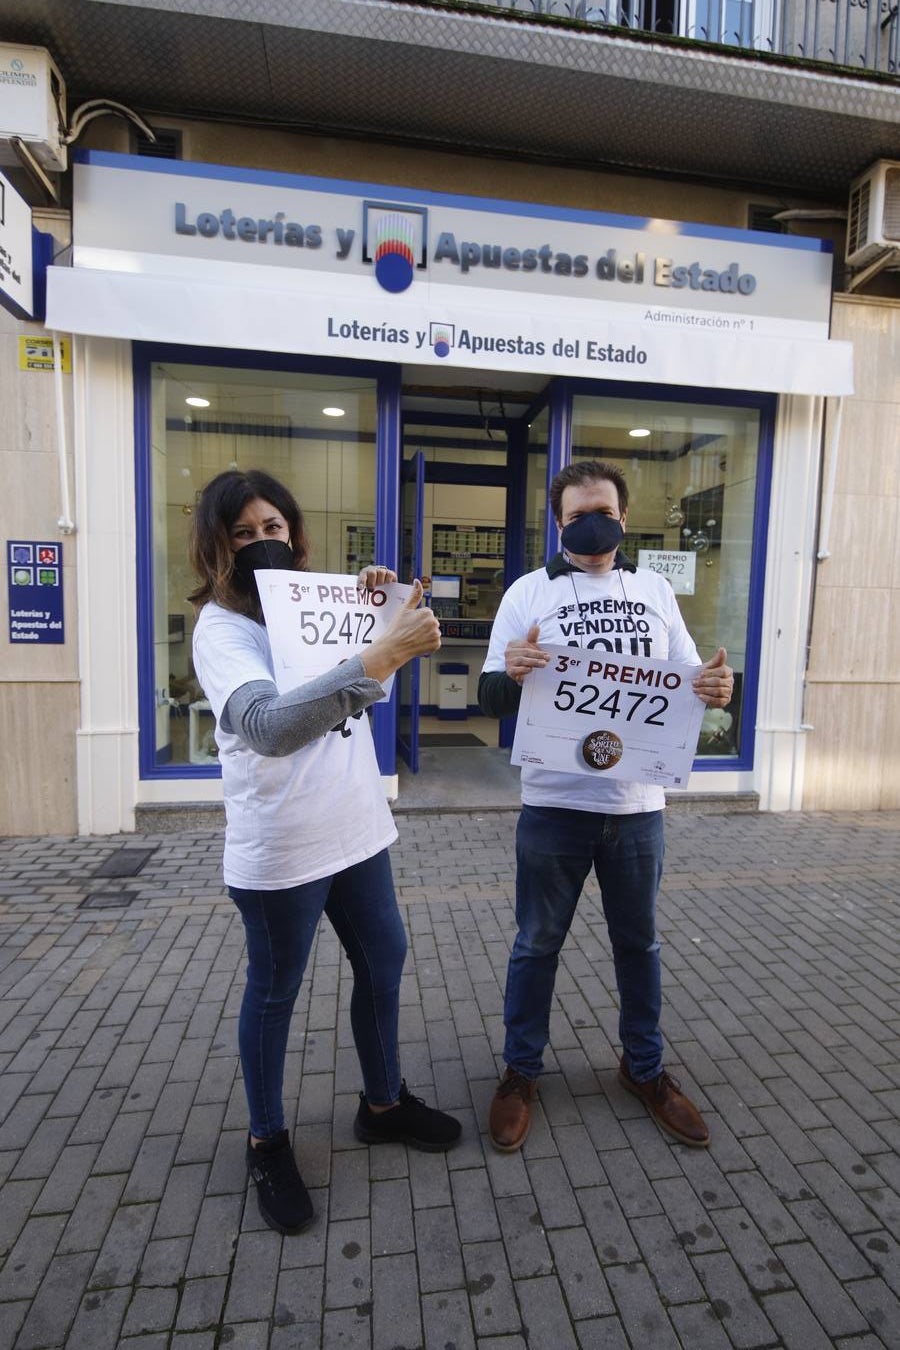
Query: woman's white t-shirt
pixel 299 817
pixel 634 613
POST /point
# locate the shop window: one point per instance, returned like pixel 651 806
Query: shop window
pixel 205 419
pixel 692 476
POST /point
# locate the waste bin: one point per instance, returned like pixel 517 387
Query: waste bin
pixel 453 689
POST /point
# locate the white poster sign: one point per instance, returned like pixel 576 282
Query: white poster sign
pixel 613 716
pixel 16 264
pixel 316 620
pixel 679 569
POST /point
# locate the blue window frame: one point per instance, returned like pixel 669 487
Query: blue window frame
pixel 154 689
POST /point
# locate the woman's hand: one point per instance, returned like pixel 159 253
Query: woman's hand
pixel 524 655
pixel 714 685
pixel 413 631
pixel 374 575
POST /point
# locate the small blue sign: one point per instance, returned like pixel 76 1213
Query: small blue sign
pixel 34 583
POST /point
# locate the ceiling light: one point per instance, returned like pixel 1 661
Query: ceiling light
pixel 333 412
pixel 195 402
pixel 639 431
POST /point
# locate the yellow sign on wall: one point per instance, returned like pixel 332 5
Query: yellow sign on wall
pixel 36 352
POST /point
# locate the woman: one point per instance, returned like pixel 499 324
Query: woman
pixel 307 826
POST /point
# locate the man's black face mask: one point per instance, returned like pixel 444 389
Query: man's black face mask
pixel 592 534
pixel 262 553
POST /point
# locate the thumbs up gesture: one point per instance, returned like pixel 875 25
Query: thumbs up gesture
pixel 714 684
pixel 523 655
pixel 413 631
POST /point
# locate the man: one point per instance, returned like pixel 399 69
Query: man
pixel 569 822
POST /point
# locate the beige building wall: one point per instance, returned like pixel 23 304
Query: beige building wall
pixel 853 680
pixel 39 692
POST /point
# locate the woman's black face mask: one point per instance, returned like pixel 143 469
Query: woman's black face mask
pixel 592 534
pixel 262 553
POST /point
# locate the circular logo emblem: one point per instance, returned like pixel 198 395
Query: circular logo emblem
pixel 601 750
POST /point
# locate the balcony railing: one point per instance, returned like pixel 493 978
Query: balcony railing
pixel 860 34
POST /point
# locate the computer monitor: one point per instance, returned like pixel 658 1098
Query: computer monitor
pixel 446 587
pixel 445 596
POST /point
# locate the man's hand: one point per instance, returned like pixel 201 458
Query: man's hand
pixel 714 685
pixel 524 655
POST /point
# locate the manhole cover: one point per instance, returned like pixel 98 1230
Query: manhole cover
pixel 125 862
pixel 108 900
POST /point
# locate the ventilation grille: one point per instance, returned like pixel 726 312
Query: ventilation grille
pixel 858 222
pixel 891 226
pixel 763 218
pixel 166 146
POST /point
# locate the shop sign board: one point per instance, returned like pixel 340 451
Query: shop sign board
pixel 227 256
pixel 16 267
pixel 35 591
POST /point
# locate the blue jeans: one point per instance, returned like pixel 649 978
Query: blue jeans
pixel 555 850
pixel 280 926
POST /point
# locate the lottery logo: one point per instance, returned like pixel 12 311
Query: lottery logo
pixel 601 750
pixel 395 240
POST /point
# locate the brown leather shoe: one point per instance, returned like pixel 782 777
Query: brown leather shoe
pixel 670 1108
pixel 510 1117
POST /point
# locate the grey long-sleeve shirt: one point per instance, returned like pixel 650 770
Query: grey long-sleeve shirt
pixel 278 724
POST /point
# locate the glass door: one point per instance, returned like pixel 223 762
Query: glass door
pixel 412 509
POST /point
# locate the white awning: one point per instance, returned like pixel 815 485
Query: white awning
pixel 438 329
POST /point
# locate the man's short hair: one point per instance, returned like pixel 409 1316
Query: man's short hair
pixel 587 471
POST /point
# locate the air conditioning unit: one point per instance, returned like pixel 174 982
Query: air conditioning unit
pixel 873 222
pixel 32 106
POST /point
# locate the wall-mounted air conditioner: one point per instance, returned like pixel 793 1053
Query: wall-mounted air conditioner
pixel 32 106
pixel 873 222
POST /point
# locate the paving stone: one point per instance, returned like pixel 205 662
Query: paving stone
pixel 98 1321
pixel 834 1309
pixel 56 1302
pixel 490 1288
pixel 643 1315
pixel 347 1329
pixel 438 1250
pixel 396 1314
pixel 732 1300
pixel 699 1326
pixel 607 1225
pixel 880 1309
pixel 524 1238
pixel 830 1241
pixel 579 1273
pixel 447 1320
pixel 215 1236
pixel 348 1276
pixel 30 1256
pixel 254 1277
pixel 544 1316
pixel 793 1320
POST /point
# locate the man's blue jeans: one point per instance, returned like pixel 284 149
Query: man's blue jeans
pixel 280 926
pixel 555 850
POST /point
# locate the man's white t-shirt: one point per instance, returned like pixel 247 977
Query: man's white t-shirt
pixel 633 613
pixel 299 817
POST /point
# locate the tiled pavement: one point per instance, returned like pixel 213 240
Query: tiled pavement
pixel 124 1217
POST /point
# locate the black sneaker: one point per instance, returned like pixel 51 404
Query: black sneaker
pixel 409 1122
pixel 283 1199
